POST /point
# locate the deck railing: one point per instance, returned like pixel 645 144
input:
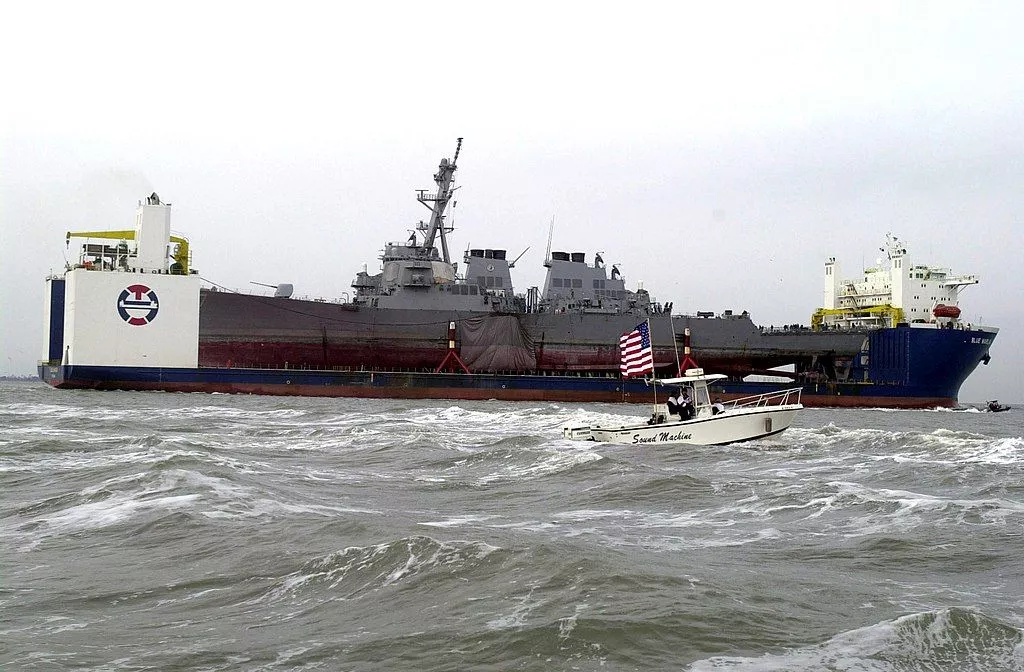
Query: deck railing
pixel 780 398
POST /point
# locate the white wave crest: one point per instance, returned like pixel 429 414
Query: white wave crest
pixel 948 639
pixel 360 569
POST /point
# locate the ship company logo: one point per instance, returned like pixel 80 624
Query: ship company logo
pixel 137 305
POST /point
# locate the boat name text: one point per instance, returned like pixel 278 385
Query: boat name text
pixel 662 436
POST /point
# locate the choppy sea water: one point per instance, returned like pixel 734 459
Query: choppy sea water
pixel 153 531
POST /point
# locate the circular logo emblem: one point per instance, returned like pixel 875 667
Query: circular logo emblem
pixel 137 305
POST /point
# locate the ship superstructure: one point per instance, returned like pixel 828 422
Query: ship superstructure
pixel 573 285
pixel 131 304
pixel 416 275
pixel 891 292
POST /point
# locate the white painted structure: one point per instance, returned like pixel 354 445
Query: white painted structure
pixel 133 314
pixel 893 291
pixel 165 331
pixel 739 420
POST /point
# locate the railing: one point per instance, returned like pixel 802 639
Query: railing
pixel 780 398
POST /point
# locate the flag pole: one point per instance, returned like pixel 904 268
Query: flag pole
pixel 635 356
pixel 654 377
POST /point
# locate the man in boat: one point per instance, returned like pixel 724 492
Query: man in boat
pixel 675 404
pixel 686 404
pixel 717 407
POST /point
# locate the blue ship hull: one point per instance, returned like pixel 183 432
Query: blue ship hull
pixel 903 367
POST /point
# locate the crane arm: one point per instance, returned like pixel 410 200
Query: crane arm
pixel 112 235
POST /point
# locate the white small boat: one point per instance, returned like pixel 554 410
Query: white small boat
pixel 713 424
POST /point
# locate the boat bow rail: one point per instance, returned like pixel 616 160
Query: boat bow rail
pixel 780 398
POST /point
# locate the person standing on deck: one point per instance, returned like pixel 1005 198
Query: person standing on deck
pixel 686 405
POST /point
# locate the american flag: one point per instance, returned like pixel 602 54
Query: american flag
pixel 635 349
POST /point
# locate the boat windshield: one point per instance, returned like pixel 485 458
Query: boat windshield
pixel 701 396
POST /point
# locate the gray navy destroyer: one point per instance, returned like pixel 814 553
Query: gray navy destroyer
pixel 132 314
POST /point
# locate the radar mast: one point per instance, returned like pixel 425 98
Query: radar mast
pixel 437 203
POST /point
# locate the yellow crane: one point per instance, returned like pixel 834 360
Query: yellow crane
pixel 893 314
pixel 180 254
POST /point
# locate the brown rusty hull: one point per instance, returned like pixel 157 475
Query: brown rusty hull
pixel 255 331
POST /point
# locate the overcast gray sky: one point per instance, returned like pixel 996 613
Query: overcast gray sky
pixel 720 152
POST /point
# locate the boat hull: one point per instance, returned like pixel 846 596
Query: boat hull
pixel 734 427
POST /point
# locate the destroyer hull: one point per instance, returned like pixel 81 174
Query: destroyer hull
pixel 239 330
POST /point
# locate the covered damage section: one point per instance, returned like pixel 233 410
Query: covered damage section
pixel 495 343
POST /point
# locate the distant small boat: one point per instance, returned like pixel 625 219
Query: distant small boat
pixel 995 407
pixel 712 424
